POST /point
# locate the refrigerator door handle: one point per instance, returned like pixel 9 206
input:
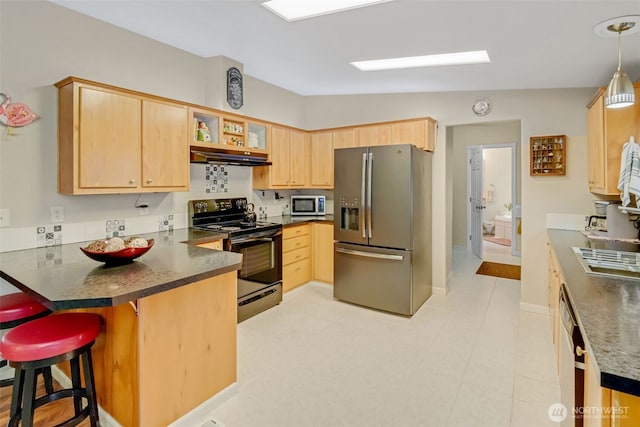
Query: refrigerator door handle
pixel 370 254
pixel 369 172
pixel 363 195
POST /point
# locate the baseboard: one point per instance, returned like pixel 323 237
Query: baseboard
pixel 534 308
pixel 438 291
pixel 201 415
pixel 106 420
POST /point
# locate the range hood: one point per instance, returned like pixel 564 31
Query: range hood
pixel 228 157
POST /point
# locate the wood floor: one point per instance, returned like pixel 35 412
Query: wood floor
pixel 46 416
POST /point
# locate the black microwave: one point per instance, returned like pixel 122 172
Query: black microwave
pixel 308 205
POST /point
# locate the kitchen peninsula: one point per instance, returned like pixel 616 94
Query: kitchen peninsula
pixel 169 339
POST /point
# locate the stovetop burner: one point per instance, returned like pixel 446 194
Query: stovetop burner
pixel 226 216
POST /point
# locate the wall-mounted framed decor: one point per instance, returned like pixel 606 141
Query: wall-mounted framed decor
pixel 548 155
pixel 234 88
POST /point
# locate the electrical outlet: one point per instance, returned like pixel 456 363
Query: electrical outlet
pixel 57 214
pixel 5 218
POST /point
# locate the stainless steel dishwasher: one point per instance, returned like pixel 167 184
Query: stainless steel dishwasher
pixel 570 364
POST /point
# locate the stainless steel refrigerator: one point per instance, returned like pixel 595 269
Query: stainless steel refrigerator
pixel 382 227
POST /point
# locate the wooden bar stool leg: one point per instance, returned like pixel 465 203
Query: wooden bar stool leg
pixel 28 398
pixel 90 388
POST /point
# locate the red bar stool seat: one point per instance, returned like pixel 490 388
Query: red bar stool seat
pixel 16 309
pixel 44 342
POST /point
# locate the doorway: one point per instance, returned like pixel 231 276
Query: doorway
pixel 485 134
pixel 491 192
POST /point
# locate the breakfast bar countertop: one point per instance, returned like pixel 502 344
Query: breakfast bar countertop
pixel 607 311
pixel 62 277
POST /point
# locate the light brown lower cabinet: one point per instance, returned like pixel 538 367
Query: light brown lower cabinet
pixel 604 407
pixel 555 283
pixel 322 238
pixel 176 350
pixel 307 254
pixel 296 256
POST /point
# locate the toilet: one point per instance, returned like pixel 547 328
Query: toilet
pixel 488 227
pixel 503 226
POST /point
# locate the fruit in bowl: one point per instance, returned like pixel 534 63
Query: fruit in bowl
pixel 117 250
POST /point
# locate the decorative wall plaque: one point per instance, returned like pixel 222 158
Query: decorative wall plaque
pixel 234 88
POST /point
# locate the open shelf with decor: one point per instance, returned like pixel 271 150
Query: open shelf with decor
pixel 548 156
pixel 233 132
pixel 257 136
pixel 206 128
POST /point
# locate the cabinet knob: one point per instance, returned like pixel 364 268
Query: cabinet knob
pixel 149 180
pixel 580 351
pixel 132 181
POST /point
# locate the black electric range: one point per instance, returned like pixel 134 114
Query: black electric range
pixel 259 242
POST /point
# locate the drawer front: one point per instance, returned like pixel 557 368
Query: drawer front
pixel 296 243
pixel 296 255
pixel 291 232
pixel 296 274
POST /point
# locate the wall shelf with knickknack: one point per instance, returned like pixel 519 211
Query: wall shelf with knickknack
pixel 211 130
pixel 548 155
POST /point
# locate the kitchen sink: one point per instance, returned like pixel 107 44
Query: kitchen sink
pixel 605 262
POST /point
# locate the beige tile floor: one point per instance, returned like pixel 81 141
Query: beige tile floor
pixel 470 358
pixel 497 253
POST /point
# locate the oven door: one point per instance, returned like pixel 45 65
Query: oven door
pixel 261 257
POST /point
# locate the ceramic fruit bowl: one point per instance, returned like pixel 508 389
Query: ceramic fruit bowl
pixel 121 256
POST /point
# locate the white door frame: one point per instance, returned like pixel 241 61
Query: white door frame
pixel 475 207
pixel 515 209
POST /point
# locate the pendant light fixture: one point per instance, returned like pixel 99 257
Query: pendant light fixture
pixel 620 93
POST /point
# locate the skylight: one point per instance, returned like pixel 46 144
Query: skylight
pixel 459 58
pixel 293 10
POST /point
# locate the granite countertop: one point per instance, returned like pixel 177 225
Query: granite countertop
pixel 286 220
pixel 62 277
pixel 607 311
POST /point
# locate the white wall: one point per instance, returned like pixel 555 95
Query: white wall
pixel 463 137
pixel 42 43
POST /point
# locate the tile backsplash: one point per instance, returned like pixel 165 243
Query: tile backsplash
pixel 49 235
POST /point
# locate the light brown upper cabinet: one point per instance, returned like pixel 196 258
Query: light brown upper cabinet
pixel 373 135
pixel 321 159
pixel 111 140
pixel 289 155
pixel 343 138
pixel 607 131
pixel 421 133
pixel 164 146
